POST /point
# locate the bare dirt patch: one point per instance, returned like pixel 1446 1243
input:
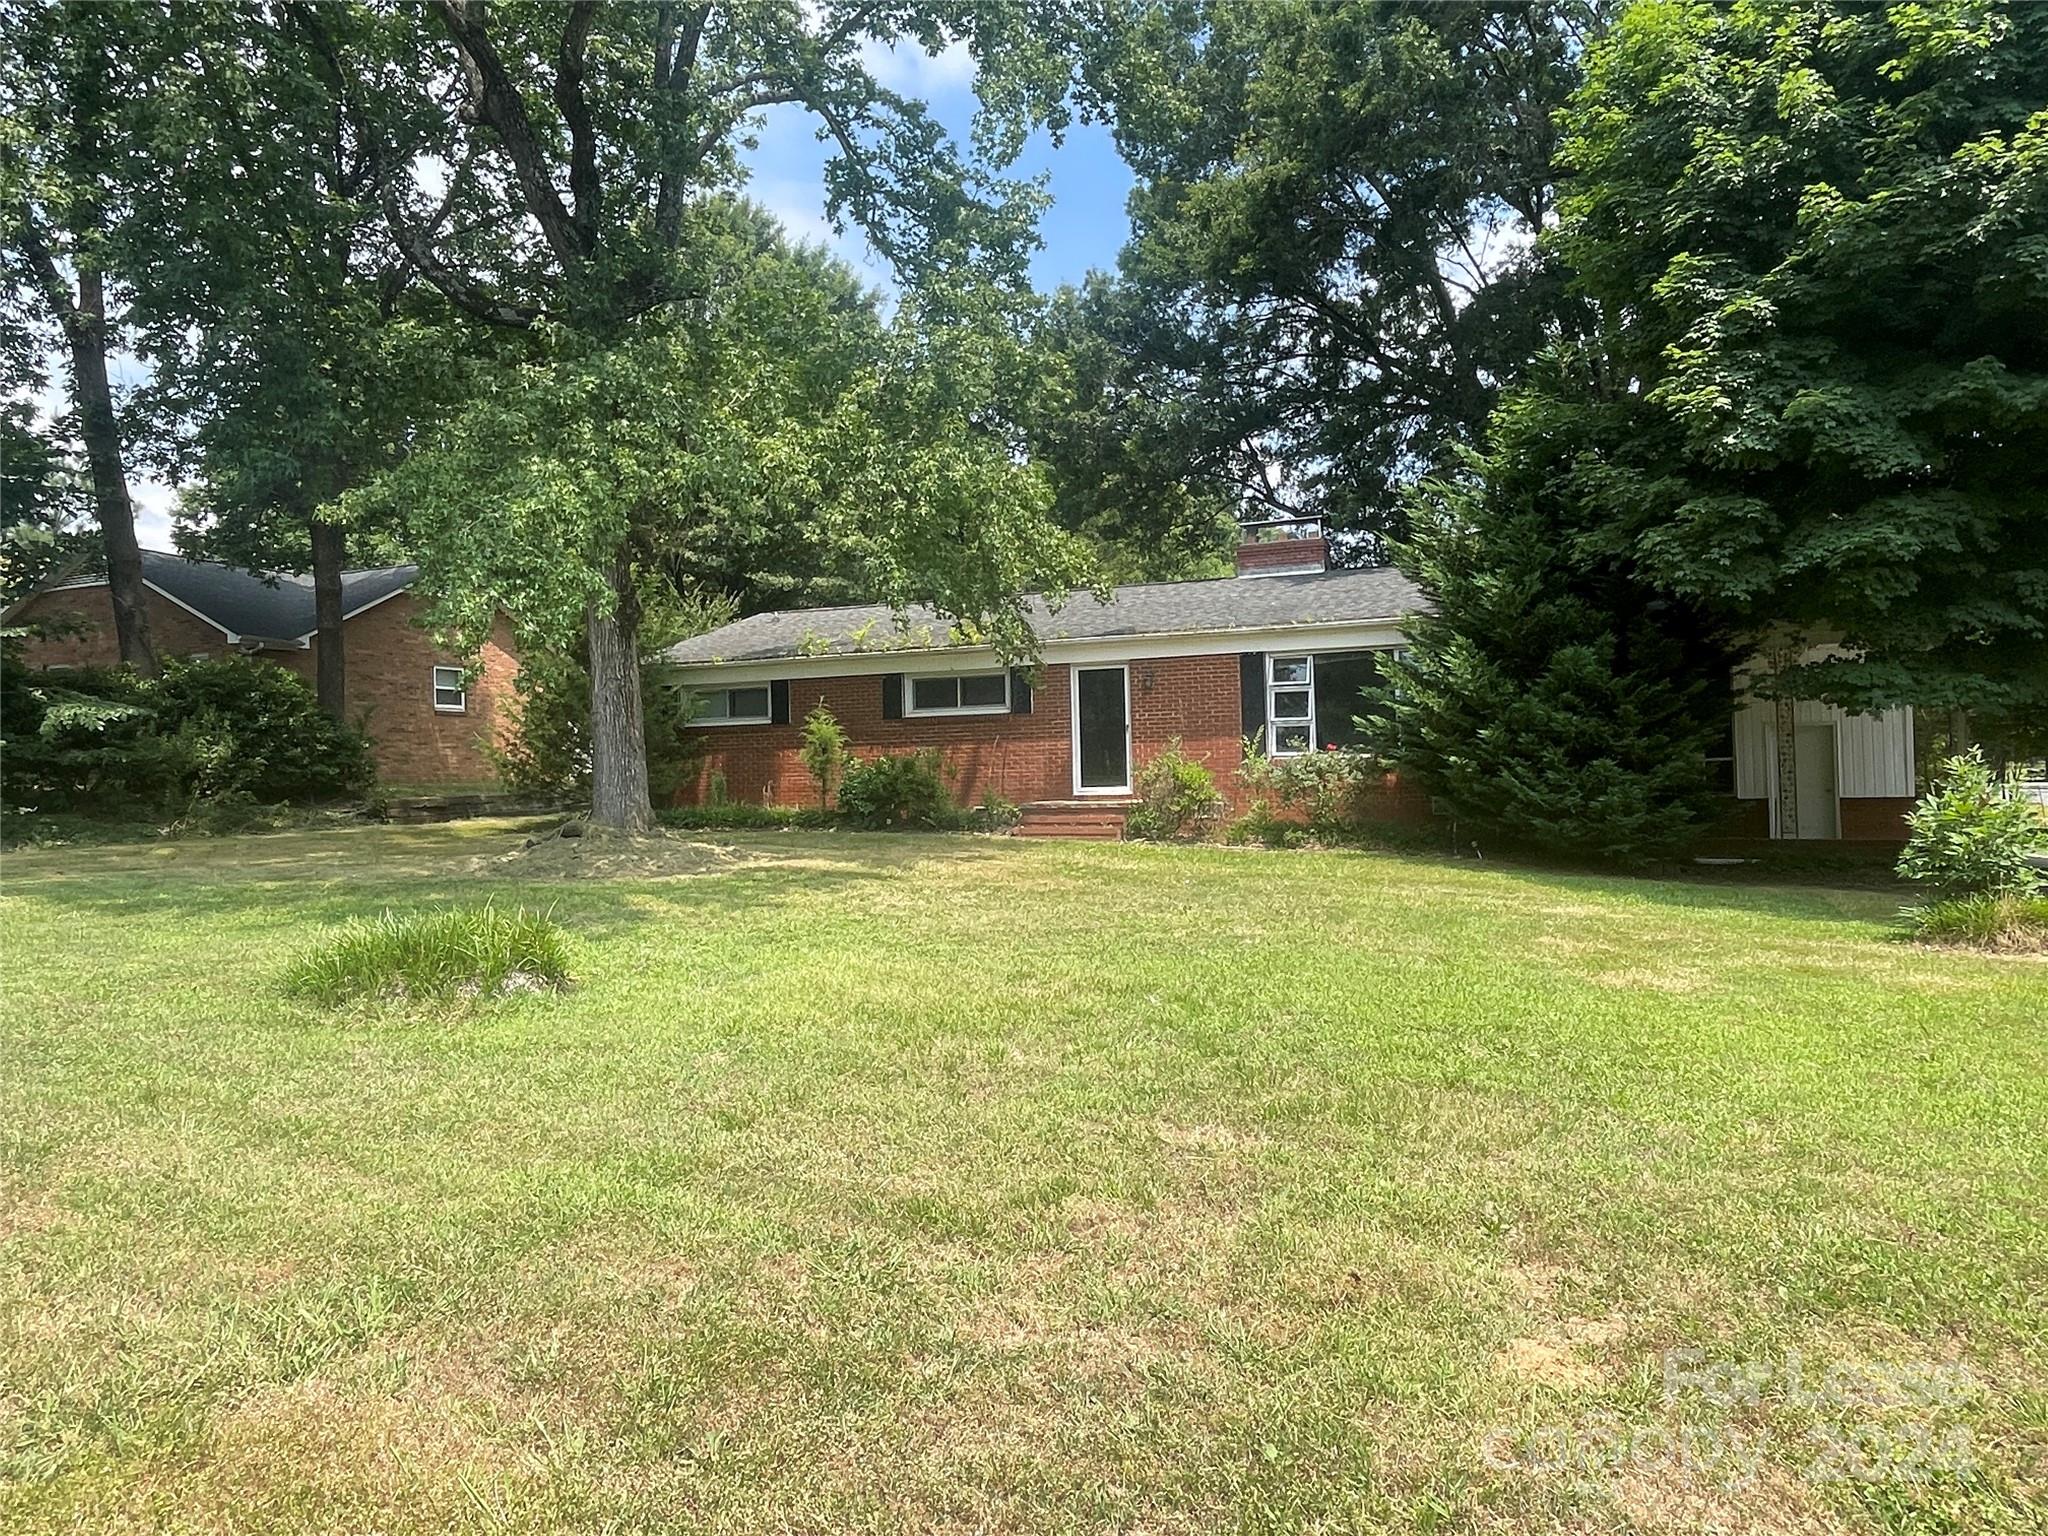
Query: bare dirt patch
pixel 1564 1356
pixel 1669 1498
pixel 1637 979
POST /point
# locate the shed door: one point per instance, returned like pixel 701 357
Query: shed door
pixel 1820 807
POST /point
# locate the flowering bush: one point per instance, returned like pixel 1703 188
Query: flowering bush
pixel 1327 786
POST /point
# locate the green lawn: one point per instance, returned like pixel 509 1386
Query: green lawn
pixel 871 1183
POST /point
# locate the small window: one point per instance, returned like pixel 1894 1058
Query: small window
pixel 732 706
pixel 974 693
pixel 1290 706
pixel 451 694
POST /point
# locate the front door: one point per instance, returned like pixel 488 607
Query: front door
pixel 1102 731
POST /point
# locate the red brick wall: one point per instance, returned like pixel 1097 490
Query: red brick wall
pixel 1283 555
pixel 390 663
pixel 390 677
pixel 173 630
pixel 1021 757
pixel 1873 820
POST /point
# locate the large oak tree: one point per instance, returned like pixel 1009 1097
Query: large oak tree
pixel 575 474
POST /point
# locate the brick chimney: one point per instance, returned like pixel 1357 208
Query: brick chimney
pixel 1282 546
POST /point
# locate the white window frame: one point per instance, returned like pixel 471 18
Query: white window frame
pixel 766 716
pixel 460 688
pixel 1274 687
pixel 912 679
pixel 1273 748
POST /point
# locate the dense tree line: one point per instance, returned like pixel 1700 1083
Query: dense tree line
pixel 1645 335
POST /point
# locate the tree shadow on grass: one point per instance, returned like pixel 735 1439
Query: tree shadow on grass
pixel 1792 898
pixel 297 881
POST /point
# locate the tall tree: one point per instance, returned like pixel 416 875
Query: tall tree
pixel 1815 233
pixel 1127 454
pixel 70 77
pixel 608 127
pixel 1551 696
pixel 1333 247
pixel 270 303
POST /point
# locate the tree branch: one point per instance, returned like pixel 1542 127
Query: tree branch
pixel 496 103
pixel 675 65
pixel 584 190
pixel 41 268
pixel 456 287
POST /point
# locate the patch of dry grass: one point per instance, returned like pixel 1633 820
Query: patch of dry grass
pixel 880 1183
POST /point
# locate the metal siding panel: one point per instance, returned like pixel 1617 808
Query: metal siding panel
pixel 1752 751
pixel 1876 754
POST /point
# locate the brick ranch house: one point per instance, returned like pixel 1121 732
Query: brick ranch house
pixel 431 715
pixel 1278 651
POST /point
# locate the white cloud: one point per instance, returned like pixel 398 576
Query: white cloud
pixel 152 501
pixel 799 206
pixel 907 69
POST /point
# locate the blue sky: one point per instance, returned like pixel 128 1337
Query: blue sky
pixel 1083 228
pixel 1088 181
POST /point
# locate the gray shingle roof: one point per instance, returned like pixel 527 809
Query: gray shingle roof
pixel 1156 608
pixel 255 605
pixel 276 606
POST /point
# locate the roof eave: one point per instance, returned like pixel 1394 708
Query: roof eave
pixel 1366 633
pixel 353 612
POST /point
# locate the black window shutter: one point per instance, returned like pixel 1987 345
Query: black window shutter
pixel 778 702
pixel 1020 691
pixel 1251 676
pixel 892 695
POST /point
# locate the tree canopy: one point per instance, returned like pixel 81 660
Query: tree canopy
pixel 1333 263
pixel 1817 235
pixel 291 346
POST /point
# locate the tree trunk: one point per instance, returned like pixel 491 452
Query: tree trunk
pixel 330 665
pixel 618 732
pixel 85 330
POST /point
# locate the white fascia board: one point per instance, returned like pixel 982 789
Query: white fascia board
pixel 169 597
pixel 373 602
pixel 1366 635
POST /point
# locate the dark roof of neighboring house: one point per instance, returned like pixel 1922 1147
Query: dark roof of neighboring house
pixel 1228 603
pixel 276 605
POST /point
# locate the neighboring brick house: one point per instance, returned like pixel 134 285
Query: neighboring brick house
pixel 1278 652
pixel 431 715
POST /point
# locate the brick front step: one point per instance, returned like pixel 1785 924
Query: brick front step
pixel 1100 820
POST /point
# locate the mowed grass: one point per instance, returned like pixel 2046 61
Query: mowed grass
pixel 907 1183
